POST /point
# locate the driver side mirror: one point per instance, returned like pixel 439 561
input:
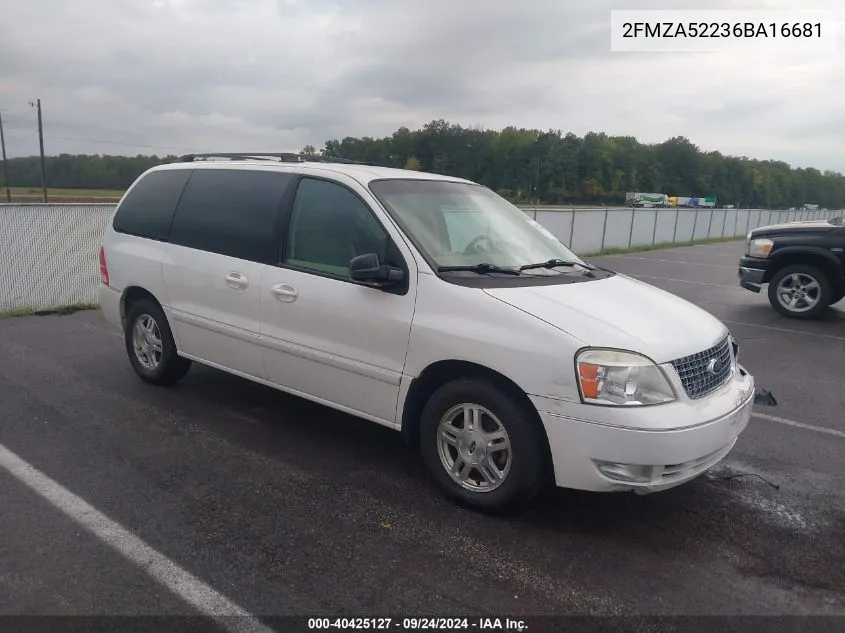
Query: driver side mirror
pixel 368 269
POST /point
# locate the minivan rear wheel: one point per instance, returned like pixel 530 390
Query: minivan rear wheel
pixel 481 445
pixel 150 345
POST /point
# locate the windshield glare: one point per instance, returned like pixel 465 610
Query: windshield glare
pixel 459 224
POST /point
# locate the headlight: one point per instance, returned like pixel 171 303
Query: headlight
pixel 760 247
pixel 613 377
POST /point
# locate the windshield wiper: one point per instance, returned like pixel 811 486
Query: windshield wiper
pixel 481 269
pixel 554 263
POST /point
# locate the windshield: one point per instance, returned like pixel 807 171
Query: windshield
pixel 459 224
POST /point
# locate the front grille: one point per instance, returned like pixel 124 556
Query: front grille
pixel 698 372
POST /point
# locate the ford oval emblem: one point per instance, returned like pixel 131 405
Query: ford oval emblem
pixel 714 366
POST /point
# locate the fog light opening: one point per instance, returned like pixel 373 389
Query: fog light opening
pixel 631 473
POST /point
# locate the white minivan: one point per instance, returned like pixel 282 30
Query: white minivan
pixel 427 304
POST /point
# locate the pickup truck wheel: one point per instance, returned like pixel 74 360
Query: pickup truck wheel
pixel 481 445
pixel 150 345
pixel 800 291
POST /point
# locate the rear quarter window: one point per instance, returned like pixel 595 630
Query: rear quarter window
pixel 147 210
pixel 231 212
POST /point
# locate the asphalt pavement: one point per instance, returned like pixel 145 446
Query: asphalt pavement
pixel 284 507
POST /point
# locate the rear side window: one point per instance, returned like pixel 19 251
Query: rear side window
pixel 148 209
pixel 230 212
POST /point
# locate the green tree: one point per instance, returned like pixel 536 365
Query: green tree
pixel 525 164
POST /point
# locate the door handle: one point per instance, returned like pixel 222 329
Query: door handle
pixel 285 292
pixel 238 281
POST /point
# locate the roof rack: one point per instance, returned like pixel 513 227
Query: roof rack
pixel 282 157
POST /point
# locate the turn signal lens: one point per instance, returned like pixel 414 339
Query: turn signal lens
pixel 588 375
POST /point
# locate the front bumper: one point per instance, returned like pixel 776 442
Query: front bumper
pixel 752 273
pixel 661 452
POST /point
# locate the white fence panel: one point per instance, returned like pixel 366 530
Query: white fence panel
pixel 559 223
pixel 619 223
pixel 717 222
pixel 665 226
pixel 743 217
pixel 686 222
pixel 587 231
pixel 701 223
pixel 48 252
pixel 642 231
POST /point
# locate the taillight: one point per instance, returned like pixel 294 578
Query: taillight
pixel 104 269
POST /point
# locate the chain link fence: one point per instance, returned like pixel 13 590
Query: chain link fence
pixel 48 252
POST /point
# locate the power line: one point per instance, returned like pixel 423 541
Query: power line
pixel 61 122
pixel 21 137
pixel 102 142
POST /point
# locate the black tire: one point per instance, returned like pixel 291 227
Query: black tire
pixel 824 292
pixel 525 476
pixel 170 367
pixel 837 297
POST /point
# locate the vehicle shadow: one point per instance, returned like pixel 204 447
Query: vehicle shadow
pixel 764 314
pixel 742 519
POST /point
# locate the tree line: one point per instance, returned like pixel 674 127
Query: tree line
pixel 523 165
pixel 81 171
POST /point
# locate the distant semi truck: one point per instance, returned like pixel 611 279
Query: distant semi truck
pixel 663 200
pixel 646 199
pixel 683 201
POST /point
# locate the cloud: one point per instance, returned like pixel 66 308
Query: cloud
pixel 129 76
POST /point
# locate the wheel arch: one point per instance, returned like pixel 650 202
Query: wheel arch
pixel 818 258
pixel 442 372
pixel 131 295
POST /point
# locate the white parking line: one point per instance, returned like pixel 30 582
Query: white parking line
pixel 783 329
pixel 685 281
pixel 189 588
pixel 673 261
pixel 729 244
pixel 800 425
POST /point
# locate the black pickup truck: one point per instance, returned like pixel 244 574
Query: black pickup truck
pixel 803 263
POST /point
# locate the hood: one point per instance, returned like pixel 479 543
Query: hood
pixel 620 312
pixel 810 226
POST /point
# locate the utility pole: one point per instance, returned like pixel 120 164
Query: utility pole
pixel 37 105
pixel 5 164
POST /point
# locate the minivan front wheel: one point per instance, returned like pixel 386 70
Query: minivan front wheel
pixel 150 345
pixel 481 445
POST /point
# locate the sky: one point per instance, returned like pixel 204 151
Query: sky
pixel 174 76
